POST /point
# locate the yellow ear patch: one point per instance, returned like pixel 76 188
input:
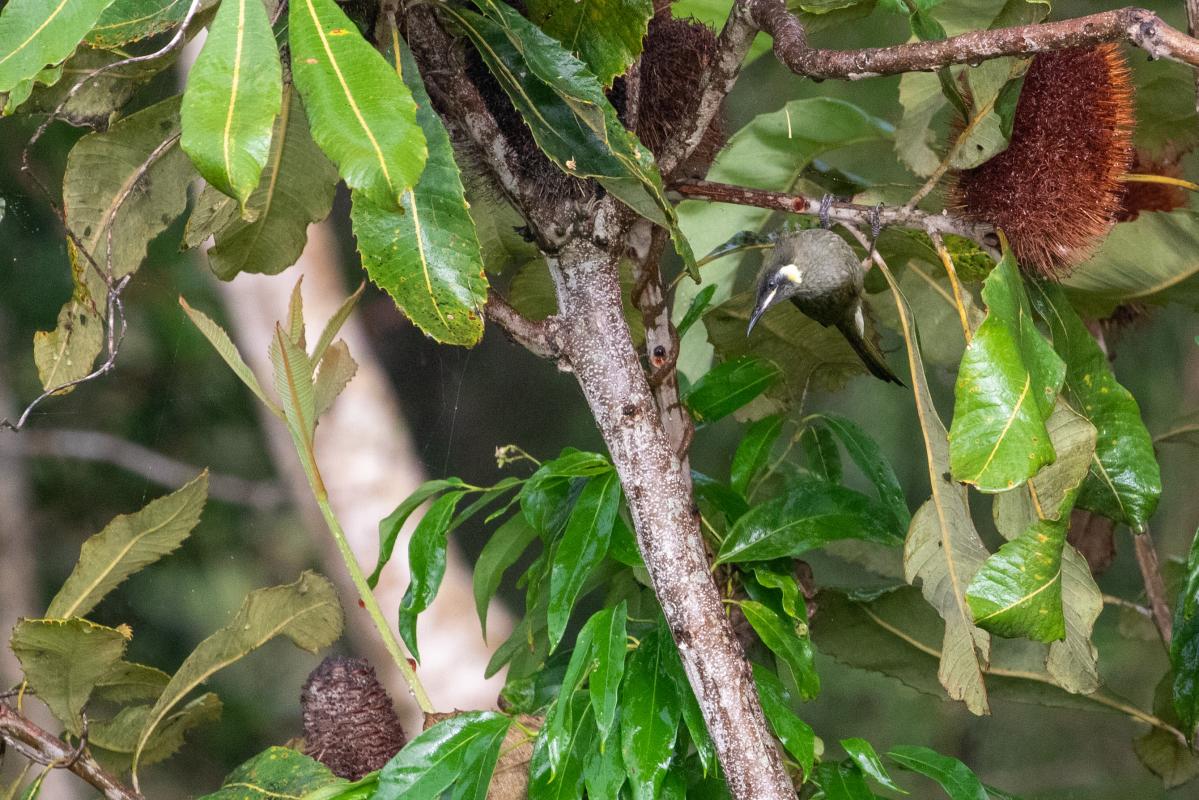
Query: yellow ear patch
pixel 792 273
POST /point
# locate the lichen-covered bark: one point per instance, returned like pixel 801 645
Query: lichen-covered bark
pixel 595 341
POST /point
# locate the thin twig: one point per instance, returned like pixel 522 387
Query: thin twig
pixel 537 336
pixel 1155 587
pixel 1137 26
pixel 41 747
pixel 146 463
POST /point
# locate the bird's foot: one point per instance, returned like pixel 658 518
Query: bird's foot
pixel 826 204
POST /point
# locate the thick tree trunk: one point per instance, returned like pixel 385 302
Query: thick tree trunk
pixel 595 341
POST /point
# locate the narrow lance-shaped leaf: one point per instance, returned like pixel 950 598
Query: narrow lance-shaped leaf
pixel 307 612
pixel 862 753
pixel 293 383
pixel 426 254
pixel 753 452
pixel 295 190
pixel 63 660
pixel 35 33
pixel 943 549
pixel 866 454
pixel 431 762
pixel 227 350
pixel 390 526
pixel 581 548
pixel 609 644
pixel 796 735
pixel 561 721
pixel 650 711
pixel 820 453
pixel 1006 387
pixel 566 783
pixel 780 636
pixel 1184 648
pixel 606 34
pixel 362 115
pixel 502 550
pixel 426 561
pixel 126 545
pixel 958 781
pixel 692 714
pixel 234 92
pixel 729 386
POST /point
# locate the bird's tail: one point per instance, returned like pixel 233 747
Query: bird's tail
pixel 855 332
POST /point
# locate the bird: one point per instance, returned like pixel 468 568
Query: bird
pixel 819 272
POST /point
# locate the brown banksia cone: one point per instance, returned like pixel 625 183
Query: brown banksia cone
pixel 1056 190
pixel 350 725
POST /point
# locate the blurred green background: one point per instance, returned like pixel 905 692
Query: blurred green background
pixel 171 393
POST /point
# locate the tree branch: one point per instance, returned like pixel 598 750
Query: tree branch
pixel 41 747
pixel 539 337
pixel 1137 26
pixel 597 345
pixel 848 213
pixel 1155 587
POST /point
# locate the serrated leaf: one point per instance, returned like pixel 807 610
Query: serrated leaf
pixel 1005 391
pixel 362 115
pixel 797 736
pixel 606 34
pixel 958 781
pixel 502 550
pixel 430 763
pixel 809 514
pixel 119 735
pixel 63 660
pixel 307 612
pixel 332 376
pixel 101 96
pixel 1125 482
pixel 650 711
pixel 133 20
pixel 293 383
pixel 128 681
pixel 943 549
pixel 227 350
pixel 234 92
pixel 780 636
pixel 35 34
pixel 729 386
pixel 275 772
pixel 68 352
pixel 128 544
pixel 582 547
pixel 131 181
pixel 426 562
pixel 753 451
pixel 295 190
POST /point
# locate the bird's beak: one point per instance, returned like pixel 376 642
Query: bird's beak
pixel 760 310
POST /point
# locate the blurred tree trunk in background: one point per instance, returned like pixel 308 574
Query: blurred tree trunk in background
pixel 369 465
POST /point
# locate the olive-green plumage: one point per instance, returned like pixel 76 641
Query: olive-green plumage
pixel 819 272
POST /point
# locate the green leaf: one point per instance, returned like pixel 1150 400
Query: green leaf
pixel 753 452
pixel 796 735
pixel 426 254
pixel 781 637
pixel 1018 591
pixel 119 735
pixel 1074 663
pixel 293 384
pixel 568 114
pixel 362 114
pixel 34 34
pixel 502 550
pixel 842 781
pixel 943 549
pixel 567 781
pixel 609 645
pixel 582 548
pixel 820 453
pixel 63 660
pixel 390 526
pixel 95 104
pixel 234 92
pixel 958 781
pixel 128 681
pixel 273 773
pixel 295 190
pixel 543 499
pixel 227 350
pixel 128 544
pixel 809 514
pixel 862 753
pixel 1184 648
pixel 68 352
pixel 1161 751
pixel 606 34
pixel 125 185
pixel 699 304
pixel 336 370
pixel 1125 482
pixel 426 561
pixel 603 767
pixel 650 711
pixel 557 735
pixel 869 459
pixel 693 715
pixel 780 575
pixel 1005 391
pixel 729 386
pixel 133 20
pixel 307 612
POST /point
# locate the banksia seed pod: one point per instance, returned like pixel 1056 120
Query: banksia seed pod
pixel 1056 190
pixel 350 725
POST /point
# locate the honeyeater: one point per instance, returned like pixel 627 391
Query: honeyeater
pixel 819 272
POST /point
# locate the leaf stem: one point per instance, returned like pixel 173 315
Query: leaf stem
pixel 372 605
pixel 951 271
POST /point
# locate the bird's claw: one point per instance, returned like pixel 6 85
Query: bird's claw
pixel 826 204
pixel 876 221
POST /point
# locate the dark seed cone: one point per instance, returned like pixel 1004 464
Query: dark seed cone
pixel 1056 190
pixel 676 53
pixel 350 725
pixel 1140 196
